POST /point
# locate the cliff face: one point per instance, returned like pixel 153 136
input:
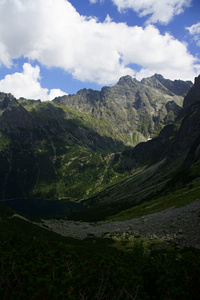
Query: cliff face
pixel 188 137
pixel 180 137
pixel 193 95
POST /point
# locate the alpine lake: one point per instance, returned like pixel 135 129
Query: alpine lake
pixel 43 208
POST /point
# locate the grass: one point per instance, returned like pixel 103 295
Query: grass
pixel 178 198
pixel 4 142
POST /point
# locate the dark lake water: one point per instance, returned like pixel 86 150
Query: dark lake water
pixel 43 208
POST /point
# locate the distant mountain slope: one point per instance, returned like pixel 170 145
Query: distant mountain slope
pixel 131 110
pixel 164 168
pixel 64 148
pixel 181 136
pixel 44 149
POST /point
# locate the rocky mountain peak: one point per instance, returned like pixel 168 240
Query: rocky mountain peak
pixel 128 80
pixel 177 87
pixel 197 81
pixel 131 110
pixel 5 100
pixel 193 95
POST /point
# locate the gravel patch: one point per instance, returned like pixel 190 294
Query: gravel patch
pixel 180 226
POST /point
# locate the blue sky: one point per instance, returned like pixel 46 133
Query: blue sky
pixel 50 48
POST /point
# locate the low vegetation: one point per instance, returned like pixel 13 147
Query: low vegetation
pixel 78 148
pixel 37 264
pixel 178 198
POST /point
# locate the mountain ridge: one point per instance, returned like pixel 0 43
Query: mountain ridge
pixel 146 198
pixel 55 150
pixel 128 102
pixel 163 168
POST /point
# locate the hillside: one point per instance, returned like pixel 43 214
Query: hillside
pixel 65 148
pixel 166 167
pixel 146 245
pixel 38 264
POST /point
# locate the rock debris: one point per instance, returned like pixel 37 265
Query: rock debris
pixel 180 226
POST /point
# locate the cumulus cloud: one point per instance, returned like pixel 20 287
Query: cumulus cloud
pixel 56 35
pixel 194 30
pixel 161 11
pixel 27 85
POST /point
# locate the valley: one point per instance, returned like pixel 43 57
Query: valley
pixel 174 226
pixel 105 193
pixel 74 147
pixel 78 145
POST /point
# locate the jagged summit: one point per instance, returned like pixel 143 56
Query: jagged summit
pixel 178 87
pixel 5 100
pixel 134 110
pixel 128 80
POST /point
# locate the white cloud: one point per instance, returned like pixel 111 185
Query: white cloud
pixel 161 11
pixel 4 56
pixel 27 85
pixel 194 30
pixel 53 93
pixel 53 33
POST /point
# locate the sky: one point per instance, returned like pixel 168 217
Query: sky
pixel 50 48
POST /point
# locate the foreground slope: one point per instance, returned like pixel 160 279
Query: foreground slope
pixel 37 264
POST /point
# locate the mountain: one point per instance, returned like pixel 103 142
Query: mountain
pixel 66 148
pixel 132 111
pixel 163 172
pixel 53 150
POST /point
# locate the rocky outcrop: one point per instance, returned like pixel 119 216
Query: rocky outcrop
pixel 193 95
